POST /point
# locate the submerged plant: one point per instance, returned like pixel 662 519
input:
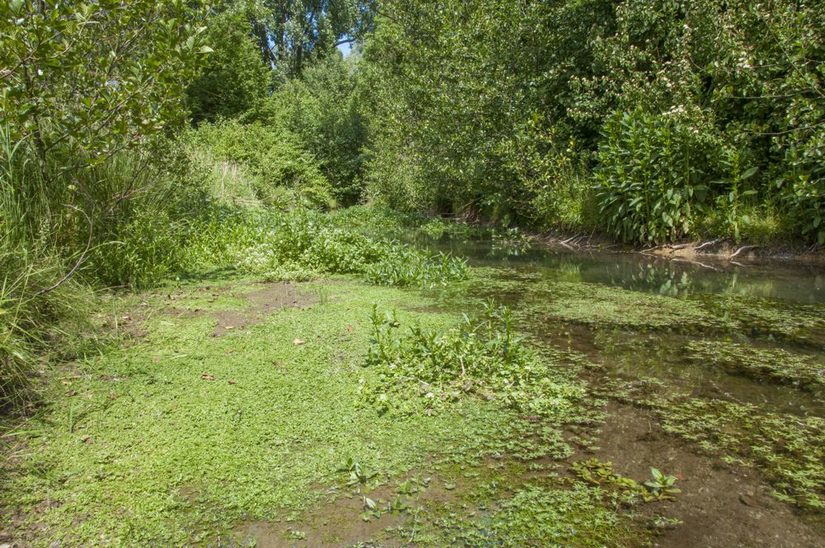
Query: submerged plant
pixel 777 365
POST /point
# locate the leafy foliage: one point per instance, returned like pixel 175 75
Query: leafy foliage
pixel 677 111
pixel 90 78
pixel 651 177
pixel 302 244
pixel 292 34
pixel 323 110
pixel 234 78
pixel 275 159
pixel 482 357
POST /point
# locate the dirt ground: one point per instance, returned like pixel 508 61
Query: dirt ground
pixel 720 505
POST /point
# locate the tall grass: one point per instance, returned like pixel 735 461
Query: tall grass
pixel 37 299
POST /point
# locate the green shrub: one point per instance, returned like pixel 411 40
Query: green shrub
pixel 802 186
pixel 405 266
pixel 653 176
pixel 482 357
pixel 274 158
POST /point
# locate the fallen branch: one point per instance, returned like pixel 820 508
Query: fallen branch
pixel 708 244
pixel 741 249
pixel 703 265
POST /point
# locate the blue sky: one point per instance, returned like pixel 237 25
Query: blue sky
pixel 345 48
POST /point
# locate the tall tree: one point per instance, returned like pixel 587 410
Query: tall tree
pixel 291 32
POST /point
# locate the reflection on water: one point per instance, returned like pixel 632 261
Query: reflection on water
pixel 775 280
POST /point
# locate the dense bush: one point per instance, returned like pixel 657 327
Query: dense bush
pixel 323 109
pixel 234 77
pixel 273 157
pixel 515 111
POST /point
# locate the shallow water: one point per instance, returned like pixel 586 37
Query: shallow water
pixel 775 279
pixel 775 305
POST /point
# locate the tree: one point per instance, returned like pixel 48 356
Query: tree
pixel 90 78
pixel 290 33
pixel 234 77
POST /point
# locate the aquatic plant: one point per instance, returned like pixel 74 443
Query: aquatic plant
pixel 790 450
pixel 482 357
pixel 774 364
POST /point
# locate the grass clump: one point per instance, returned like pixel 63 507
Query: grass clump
pixel 37 325
pixel 776 365
pixel 482 357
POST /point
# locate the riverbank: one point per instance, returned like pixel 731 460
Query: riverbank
pixel 716 249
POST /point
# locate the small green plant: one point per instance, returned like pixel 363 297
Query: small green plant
pixel 601 473
pixel 294 534
pixel 661 485
pixel 357 475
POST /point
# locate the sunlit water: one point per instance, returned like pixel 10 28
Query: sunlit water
pixel 775 279
pixel 640 353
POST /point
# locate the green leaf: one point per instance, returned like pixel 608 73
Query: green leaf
pixel 749 173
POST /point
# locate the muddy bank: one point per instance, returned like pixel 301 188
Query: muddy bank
pixel 720 505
